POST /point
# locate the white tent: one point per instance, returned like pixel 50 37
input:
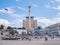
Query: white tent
pixel 21 30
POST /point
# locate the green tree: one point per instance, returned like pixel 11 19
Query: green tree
pixel 9 27
pixel 11 30
pixel 39 27
pixel 23 28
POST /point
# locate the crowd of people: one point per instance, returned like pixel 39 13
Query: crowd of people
pixel 25 36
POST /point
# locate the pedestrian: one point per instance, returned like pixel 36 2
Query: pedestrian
pixel 46 38
pixel 2 33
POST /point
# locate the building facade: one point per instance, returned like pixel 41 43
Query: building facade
pixel 53 29
pixel 30 24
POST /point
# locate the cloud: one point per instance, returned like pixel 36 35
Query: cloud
pixel 4 22
pixel 47 22
pixel 58 13
pixel 44 21
pixel 21 8
pixel 4 11
pixel 52 7
pixel 57 1
pixel 17 17
pixel 17 23
pixel 18 0
pixel 33 4
pixel 58 7
pixel 47 6
pixel 52 1
pixel 10 12
pixel 56 20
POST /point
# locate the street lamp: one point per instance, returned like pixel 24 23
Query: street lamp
pixel 58 30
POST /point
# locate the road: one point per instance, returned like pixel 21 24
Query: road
pixel 55 41
pixel 33 42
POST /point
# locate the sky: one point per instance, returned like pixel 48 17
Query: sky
pixel 46 12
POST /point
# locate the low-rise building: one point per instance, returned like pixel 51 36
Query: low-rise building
pixel 53 29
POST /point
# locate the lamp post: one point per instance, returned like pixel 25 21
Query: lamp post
pixel 58 30
pixel 4 23
pixel 6 10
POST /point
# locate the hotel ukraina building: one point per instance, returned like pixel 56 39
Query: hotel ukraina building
pixel 30 25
